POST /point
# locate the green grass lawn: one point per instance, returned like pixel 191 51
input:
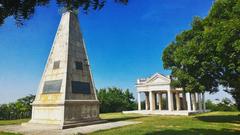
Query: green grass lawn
pixel 213 123
pixel 6 133
pixel 11 122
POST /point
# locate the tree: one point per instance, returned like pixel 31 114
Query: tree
pixel 129 100
pixel 20 109
pixel 115 100
pixel 22 10
pixel 184 58
pixel 25 105
pixel 224 105
pixel 4 112
pixel 226 29
pixel 208 55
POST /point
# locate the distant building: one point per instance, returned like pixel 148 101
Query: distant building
pixel 161 98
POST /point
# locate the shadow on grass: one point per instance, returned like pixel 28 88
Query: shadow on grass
pixel 194 131
pixel 220 118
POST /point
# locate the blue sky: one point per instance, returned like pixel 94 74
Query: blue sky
pixel 123 43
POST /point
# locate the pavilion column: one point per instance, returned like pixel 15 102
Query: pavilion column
pixel 159 101
pixel 184 99
pixel 178 101
pixel 166 101
pixel 170 101
pixel 203 102
pixel 188 101
pixel 152 100
pixel 146 101
pixel 139 101
pixel 193 95
pixel 200 102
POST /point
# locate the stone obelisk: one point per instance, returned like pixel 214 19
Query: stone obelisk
pixel 66 94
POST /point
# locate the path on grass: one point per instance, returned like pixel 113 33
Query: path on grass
pixel 50 130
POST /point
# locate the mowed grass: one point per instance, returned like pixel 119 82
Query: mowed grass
pixel 213 123
pixel 6 133
pixel 11 122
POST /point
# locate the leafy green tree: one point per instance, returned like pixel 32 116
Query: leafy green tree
pixel 4 112
pixel 223 36
pixel 25 105
pixel 224 105
pixel 208 55
pixel 185 58
pixel 129 100
pixel 20 109
pixel 23 10
pixel 115 100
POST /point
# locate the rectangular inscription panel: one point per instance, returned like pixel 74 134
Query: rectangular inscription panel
pixel 52 86
pixel 80 87
pixel 56 64
pixel 79 65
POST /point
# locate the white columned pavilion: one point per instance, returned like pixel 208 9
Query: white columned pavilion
pixel 175 100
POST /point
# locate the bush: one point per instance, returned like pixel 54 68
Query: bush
pixel 224 105
pixel 17 110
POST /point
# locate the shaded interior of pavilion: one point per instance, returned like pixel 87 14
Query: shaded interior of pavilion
pixel 171 101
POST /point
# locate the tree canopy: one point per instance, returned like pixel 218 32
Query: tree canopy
pixel 115 100
pixel 20 109
pixel 221 105
pixel 22 10
pixel 111 100
pixel 208 55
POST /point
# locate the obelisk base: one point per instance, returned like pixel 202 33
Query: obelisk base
pixel 72 113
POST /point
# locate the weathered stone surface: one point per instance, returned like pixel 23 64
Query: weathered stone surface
pixel 68 64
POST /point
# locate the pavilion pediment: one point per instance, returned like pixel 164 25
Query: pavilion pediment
pixel 158 79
